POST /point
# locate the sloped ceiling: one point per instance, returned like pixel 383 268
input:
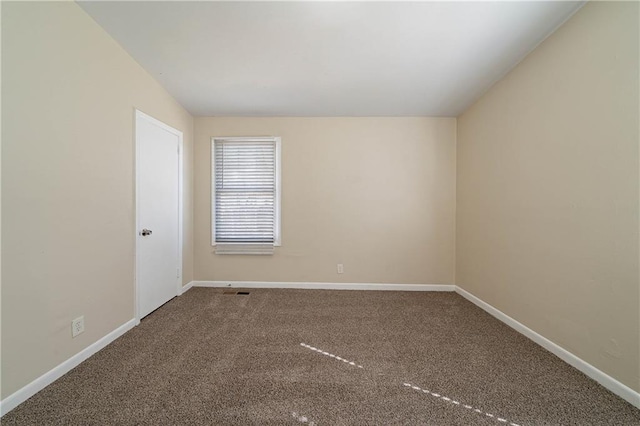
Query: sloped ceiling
pixel 328 58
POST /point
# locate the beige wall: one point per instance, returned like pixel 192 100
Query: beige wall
pixel 547 192
pixel 376 194
pixel 69 93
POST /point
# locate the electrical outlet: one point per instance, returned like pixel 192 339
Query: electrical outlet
pixel 77 326
pixel 340 268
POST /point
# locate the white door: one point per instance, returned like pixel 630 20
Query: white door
pixel 158 248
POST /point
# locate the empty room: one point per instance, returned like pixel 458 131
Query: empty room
pixel 320 213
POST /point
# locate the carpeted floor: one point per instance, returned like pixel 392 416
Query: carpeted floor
pixel 321 357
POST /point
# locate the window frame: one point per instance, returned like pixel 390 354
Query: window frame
pixel 277 198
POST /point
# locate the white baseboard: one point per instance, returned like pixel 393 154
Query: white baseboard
pixel 326 286
pixel 185 288
pixel 21 395
pixel 620 389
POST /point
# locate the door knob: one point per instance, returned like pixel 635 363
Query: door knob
pixel 146 232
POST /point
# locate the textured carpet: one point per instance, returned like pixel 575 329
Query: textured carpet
pixel 320 357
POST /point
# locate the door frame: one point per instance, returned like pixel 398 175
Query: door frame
pixel 139 115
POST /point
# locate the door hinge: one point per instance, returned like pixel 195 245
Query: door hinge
pixel 178 273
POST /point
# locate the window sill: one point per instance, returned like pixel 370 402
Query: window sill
pixel 253 249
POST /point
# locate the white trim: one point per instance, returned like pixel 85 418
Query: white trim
pixel 278 228
pixel 326 286
pixel 180 211
pixel 620 389
pixel 21 395
pixel 185 288
pixel 141 115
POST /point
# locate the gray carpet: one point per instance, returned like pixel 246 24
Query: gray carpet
pixel 315 357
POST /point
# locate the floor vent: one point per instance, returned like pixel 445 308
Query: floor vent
pixel 233 292
pixel 243 293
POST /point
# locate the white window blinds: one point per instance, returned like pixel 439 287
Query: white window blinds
pixel 245 198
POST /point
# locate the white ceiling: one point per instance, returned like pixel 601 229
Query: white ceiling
pixel 328 58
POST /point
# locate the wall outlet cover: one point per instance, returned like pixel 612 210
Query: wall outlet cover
pixel 77 326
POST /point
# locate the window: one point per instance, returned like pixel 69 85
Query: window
pixel 245 195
